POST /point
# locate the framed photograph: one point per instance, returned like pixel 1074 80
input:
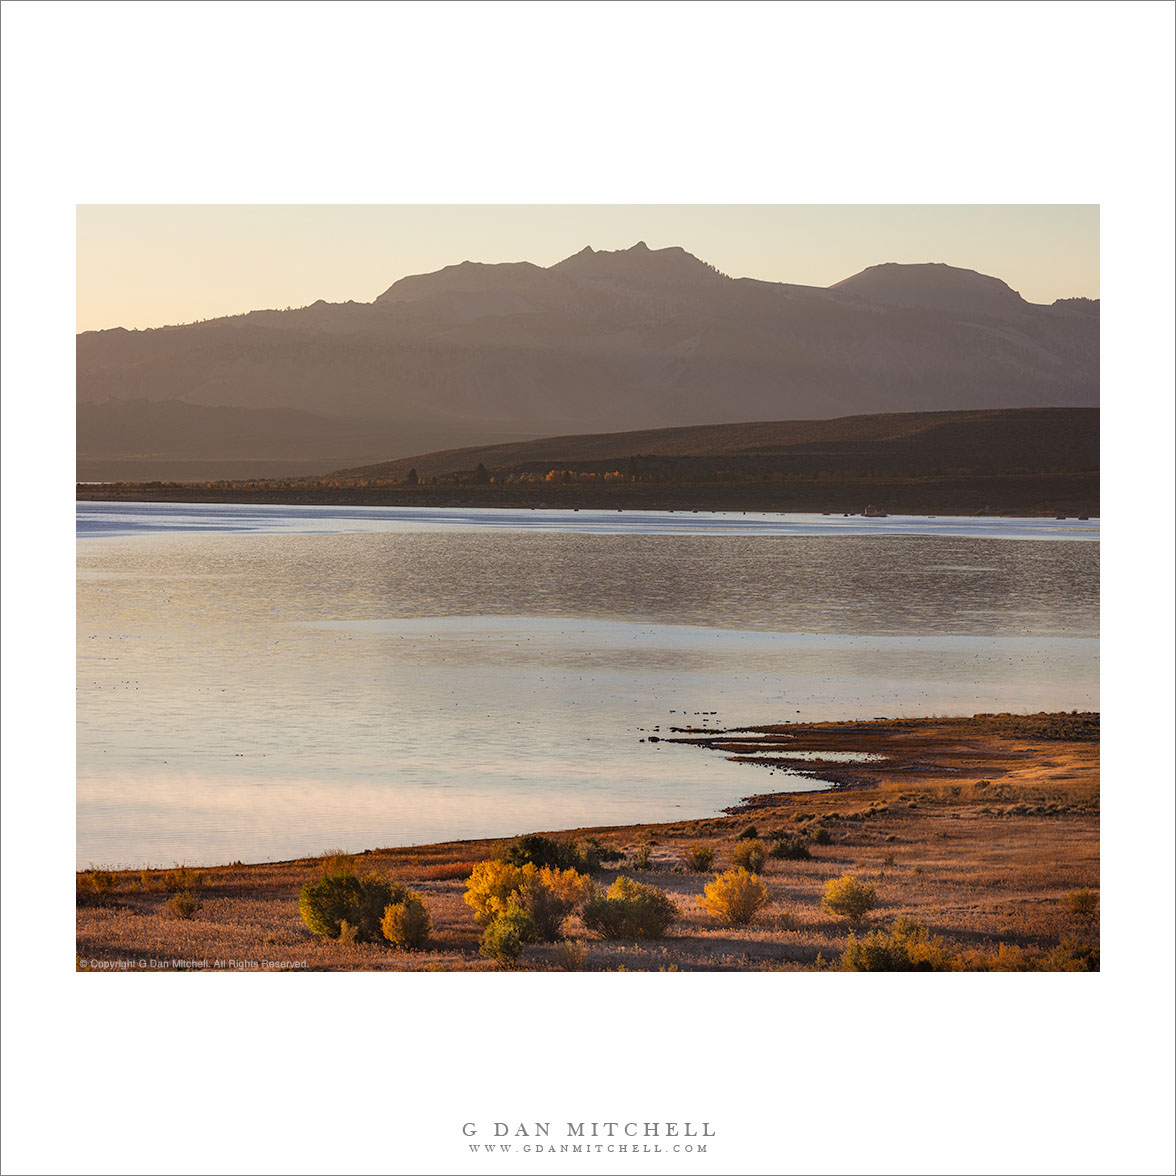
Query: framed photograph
pixel 587 534
pixel 455 628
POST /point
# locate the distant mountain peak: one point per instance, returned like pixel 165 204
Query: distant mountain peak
pixel 638 260
pixel 467 277
pixel 932 285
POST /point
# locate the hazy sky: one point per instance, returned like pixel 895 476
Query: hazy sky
pixel 148 265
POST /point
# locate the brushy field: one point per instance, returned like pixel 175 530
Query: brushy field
pixel 979 838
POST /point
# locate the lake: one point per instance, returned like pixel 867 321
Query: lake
pixel 266 682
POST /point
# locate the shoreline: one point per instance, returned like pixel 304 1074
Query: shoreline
pixel 1069 495
pixel 979 828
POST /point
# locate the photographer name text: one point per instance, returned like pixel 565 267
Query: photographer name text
pixel 654 1137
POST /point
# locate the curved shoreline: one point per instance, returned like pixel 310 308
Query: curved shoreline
pixel 977 827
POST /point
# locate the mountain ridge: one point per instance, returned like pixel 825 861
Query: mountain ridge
pixel 600 341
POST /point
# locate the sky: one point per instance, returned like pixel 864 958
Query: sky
pixel 145 265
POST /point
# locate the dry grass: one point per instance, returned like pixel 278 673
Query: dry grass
pixel 980 830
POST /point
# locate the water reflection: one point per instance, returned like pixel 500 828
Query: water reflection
pixel 264 695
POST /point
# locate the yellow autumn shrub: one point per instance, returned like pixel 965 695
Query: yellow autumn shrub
pixel 492 885
pixel 406 923
pixel 551 896
pixel 569 886
pixel 735 896
pixel 548 894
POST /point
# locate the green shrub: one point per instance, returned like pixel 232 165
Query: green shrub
pixel 748 832
pixel 1083 903
pixel 643 857
pixel 184 905
pixel 849 897
pixel 406 923
pixel 735 896
pixel 699 857
pixel 907 947
pixel 793 849
pixel 360 900
pixel 505 936
pixel 630 910
pixel 820 835
pixel 749 856
pixel 542 851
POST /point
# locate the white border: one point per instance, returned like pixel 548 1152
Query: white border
pixel 705 102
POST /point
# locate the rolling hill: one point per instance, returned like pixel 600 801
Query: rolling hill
pixel 998 441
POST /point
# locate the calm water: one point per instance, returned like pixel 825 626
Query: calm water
pixel 264 682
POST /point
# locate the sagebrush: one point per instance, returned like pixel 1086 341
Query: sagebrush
pixel 699 857
pixel 358 900
pixel 506 935
pixel 850 897
pixel 735 896
pixel 184 905
pixel 537 850
pixel 792 849
pixel 749 855
pixel 406 923
pixel 630 910
pixel 907 947
pixel 549 895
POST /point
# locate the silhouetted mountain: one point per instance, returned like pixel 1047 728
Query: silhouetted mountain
pixel 600 342
pixel 936 287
